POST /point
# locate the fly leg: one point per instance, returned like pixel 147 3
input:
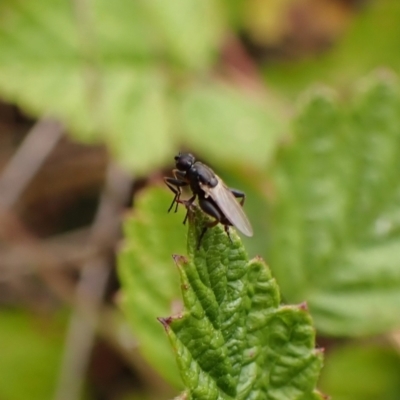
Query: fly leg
pixel 239 195
pixel 175 185
pixel 226 227
pixel 188 204
pixel 211 209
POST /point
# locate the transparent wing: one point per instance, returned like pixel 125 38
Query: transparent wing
pixel 228 204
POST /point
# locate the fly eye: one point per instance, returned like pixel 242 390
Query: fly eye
pixel 184 161
pixel 183 164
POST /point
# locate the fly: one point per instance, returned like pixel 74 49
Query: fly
pixel 214 197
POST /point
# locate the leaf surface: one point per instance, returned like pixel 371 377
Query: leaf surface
pixel 234 339
pixel 149 280
pixel 132 75
pixel 230 125
pixel 335 222
pixel 99 67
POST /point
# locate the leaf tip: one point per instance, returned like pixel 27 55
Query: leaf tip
pixel 324 396
pixel 303 306
pixel 166 322
pixel 179 260
pixel 320 350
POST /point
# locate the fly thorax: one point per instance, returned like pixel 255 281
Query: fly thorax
pixel 213 182
pixel 209 181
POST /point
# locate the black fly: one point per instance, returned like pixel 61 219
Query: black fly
pixel 214 197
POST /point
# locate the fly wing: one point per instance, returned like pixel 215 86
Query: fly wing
pixel 228 204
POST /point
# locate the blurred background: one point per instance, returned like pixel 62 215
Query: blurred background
pixel 294 101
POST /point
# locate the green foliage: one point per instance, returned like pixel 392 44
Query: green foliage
pixel 227 126
pixel 121 72
pixel 336 221
pixel 362 372
pixel 233 339
pixel 31 352
pixel 150 283
pixel 372 41
pixel 138 76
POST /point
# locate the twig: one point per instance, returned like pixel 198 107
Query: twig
pixel 28 159
pixel 14 179
pixel 69 249
pixel 91 288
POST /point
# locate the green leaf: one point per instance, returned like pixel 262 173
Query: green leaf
pixel 336 219
pixel 150 283
pixel 233 339
pixel 100 67
pixel 231 125
pixel 180 23
pixel 128 74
